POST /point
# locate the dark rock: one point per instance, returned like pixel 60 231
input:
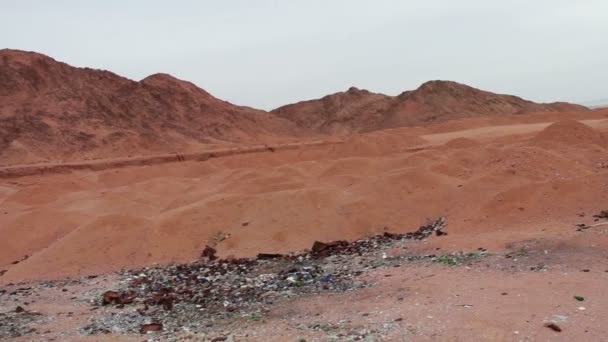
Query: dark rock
pixel 321 249
pixel 209 253
pixel 268 256
pixel 603 214
pixel 553 326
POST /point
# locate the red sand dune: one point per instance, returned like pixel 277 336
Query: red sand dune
pixel 570 132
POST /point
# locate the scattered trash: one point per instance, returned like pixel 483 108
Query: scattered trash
pixel 582 308
pixel 193 295
pixel 145 328
pixel 579 298
pixel 113 297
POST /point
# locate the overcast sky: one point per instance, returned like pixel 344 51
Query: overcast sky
pixel 266 53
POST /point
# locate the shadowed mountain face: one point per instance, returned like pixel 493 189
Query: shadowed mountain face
pixel 50 111
pixel 359 110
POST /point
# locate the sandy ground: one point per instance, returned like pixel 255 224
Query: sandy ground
pixel 502 297
pixel 500 186
pixel 496 181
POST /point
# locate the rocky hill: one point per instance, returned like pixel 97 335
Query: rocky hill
pixel 360 110
pixel 52 111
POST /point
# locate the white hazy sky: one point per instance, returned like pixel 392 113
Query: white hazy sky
pixel 266 53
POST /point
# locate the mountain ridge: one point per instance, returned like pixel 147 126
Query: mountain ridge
pixel 433 101
pixel 51 111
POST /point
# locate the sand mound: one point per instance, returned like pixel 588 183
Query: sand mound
pixel 569 132
pixel 283 201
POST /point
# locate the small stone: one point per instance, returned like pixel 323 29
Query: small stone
pixel 553 326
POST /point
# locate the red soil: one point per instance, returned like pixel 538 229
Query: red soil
pixel 503 181
pixel 505 188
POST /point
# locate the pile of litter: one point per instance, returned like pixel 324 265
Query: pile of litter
pixel 185 296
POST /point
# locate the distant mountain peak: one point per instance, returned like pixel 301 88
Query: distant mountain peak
pixel 58 112
pixel 432 101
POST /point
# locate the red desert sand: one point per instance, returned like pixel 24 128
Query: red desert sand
pixel 519 188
